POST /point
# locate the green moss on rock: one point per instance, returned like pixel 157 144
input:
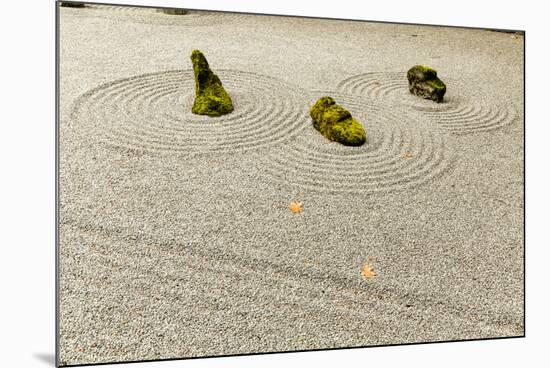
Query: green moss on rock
pixel 336 123
pixel 210 97
pixel 423 82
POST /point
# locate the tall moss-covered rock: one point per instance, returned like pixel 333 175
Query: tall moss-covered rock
pixel 336 123
pixel 210 97
pixel 423 82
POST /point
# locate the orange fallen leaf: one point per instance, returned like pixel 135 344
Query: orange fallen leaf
pixel 368 272
pixel 295 206
pixel 408 154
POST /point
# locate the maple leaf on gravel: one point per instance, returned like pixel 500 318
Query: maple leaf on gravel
pixel 295 207
pixel 368 272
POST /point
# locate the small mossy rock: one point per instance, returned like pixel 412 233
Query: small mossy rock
pixel 423 82
pixel 72 5
pixel 210 97
pixel 173 11
pixel 336 123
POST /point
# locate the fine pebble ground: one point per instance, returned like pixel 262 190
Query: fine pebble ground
pixel 175 236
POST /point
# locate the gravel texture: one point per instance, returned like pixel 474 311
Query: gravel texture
pixel 175 235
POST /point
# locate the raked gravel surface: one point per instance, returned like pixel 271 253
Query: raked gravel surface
pixel 175 235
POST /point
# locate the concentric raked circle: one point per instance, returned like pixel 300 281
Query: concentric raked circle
pixel 402 151
pixel 461 112
pixel 155 16
pixel 152 113
pixel 118 8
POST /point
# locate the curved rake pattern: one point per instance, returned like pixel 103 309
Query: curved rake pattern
pixel 401 152
pixel 152 113
pixel 459 113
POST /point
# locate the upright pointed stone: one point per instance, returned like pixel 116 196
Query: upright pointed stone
pixel 210 97
pixel 336 123
pixel 423 82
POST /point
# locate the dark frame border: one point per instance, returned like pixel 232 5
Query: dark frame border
pixel 57 188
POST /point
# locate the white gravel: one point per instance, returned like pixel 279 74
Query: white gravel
pixel 175 236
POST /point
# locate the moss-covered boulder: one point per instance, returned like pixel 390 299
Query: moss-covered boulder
pixel 336 123
pixel 423 82
pixel 72 5
pixel 210 97
pixel 173 11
